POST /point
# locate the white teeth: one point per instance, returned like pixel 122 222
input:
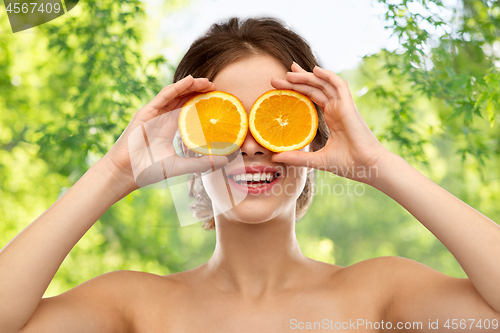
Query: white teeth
pixel 256 177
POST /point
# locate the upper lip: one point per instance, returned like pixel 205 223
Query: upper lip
pixel 254 169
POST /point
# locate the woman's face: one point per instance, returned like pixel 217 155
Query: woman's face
pixel 247 79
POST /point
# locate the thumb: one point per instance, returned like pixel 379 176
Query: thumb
pixel 174 166
pixel 296 158
pixel 209 161
pixel 204 163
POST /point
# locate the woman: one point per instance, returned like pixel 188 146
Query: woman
pixel 257 279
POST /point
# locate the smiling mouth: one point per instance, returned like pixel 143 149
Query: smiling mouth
pixel 255 179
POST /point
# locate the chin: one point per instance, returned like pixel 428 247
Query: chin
pixel 253 218
pixel 246 212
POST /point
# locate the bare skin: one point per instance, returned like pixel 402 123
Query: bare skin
pixel 258 280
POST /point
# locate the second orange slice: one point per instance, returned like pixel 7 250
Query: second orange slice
pixel 283 120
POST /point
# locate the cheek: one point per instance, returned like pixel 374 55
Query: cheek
pixel 212 183
pixel 295 181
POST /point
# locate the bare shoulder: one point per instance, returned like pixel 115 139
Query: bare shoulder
pixel 140 292
pixel 397 274
pixel 411 290
pixel 380 279
pixel 106 303
pixel 391 272
pixel 126 286
pixel 385 269
pixel 387 262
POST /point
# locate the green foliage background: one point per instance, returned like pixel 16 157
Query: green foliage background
pixel 434 101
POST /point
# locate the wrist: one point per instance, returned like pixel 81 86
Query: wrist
pixel 118 183
pixel 384 170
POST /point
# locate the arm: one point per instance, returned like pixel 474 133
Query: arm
pixel 471 237
pixel 30 260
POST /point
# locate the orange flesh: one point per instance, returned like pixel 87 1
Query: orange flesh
pixel 273 120
pixel 222 112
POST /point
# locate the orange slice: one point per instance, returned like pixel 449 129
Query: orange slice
pixel 213 123
pixel 282 120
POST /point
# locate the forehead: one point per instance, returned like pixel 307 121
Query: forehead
pixel 249 77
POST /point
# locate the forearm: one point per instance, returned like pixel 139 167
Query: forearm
pixel 30 260
pixel 470 236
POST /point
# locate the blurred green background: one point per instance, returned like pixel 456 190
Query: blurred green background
pixel 68 90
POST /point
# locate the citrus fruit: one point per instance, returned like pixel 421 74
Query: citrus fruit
pixel 282 120
pixel 213 123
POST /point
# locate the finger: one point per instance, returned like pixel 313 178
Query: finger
pixel 175 166
pixel 315 94
pixel 296 68
pixel 341 85
pixel 177 104
pixel 298 158
pixel 314 81
pixel 199 85
pixel 181 88
pixel 170 92
pixel 209 88
pixel 181 100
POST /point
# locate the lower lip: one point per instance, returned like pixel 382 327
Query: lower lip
pixel 254 190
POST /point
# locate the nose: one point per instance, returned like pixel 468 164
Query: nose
pixel 251 147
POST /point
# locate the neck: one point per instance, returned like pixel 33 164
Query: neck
pixel 256 259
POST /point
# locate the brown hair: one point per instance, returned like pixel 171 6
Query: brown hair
pixel 231 40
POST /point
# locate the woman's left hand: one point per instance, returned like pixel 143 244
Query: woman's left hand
pixel 351 148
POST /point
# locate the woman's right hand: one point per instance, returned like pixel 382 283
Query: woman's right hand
pixel 31 259
pixel 144 153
